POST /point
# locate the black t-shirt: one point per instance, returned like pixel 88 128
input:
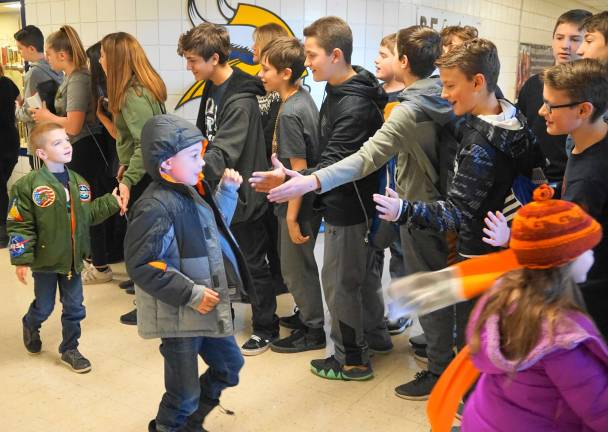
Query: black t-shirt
pixel 64 180
pixel 586 184
pixel 8 130
pixel 553 146
pixel 213 107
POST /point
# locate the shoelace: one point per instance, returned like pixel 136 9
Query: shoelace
pixel 225 411
pixel 421 375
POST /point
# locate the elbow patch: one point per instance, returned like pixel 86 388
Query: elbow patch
pixel 160 265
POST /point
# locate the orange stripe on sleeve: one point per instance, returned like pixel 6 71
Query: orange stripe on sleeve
pixel 160 265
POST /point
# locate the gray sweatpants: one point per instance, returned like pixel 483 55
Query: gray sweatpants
pixel 426 250
pixel 300 271
pixel 353 292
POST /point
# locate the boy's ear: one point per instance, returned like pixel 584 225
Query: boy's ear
pixel 41 154
pixel 286 74
pixel 167 164
pixel 585 110
pixel 479 81
pixel 215 59
pixel 404 62
pixel 337 54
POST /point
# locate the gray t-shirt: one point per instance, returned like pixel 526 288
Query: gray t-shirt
pixel 297 136
pixel 74 94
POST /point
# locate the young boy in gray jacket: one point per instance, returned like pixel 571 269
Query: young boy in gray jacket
pixel 183 258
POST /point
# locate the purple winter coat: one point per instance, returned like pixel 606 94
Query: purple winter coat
pixel 561 386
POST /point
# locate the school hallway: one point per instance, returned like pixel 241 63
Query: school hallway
pixel 277 392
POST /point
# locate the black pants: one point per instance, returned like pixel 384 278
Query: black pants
pixel 7 164
pixel 253 239
pixel 87 161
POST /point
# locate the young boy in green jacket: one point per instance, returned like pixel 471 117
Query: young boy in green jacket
pixel 49 218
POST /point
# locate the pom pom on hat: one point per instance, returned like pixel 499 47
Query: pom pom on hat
pixel 549 233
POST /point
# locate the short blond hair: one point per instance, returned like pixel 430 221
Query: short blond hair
pixel 265 34
pixel 389 42
pixel 38 135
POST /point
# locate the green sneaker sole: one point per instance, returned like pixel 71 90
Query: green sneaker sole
pixel 339 376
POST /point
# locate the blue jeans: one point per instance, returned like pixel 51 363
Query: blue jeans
pixel 70 295
pixel 185 390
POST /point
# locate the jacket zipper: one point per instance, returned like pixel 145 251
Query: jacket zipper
pixel 72 222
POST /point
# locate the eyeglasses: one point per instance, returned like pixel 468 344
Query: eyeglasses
pixel 550 107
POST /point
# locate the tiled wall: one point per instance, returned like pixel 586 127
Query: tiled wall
pixel 158 23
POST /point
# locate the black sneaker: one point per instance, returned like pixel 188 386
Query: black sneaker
pixel 420 388
pixel 31 339
pixel 292 321
pixel 330 368
pixel 255 345
pixel 418 342
pixel 421 356
pixel 130 291
pixel 399 325
pixel 381 349
pixel 300 340
pixel 126 284
pixel 130 318
pixel 76 361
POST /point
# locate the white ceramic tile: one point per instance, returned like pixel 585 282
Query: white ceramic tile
pixel 127 27
pixel 358 36
pixel 106 10
pixel 373 36
pixel 169 58
pixel 314 9
pixel 391 13
pixel 292 9
pixel 72 11
pixel 407 15
pixel 169 32
pixel 271 5
pixel 105 28
pixel 338 8
pixel 375 12
pixel 153 55
pixel 146 9
pixel 88 33
pixel 147 32
pixel 88 11
pixel 44 13
pixel 356 12
pixel 58 13
pixel 173 80
pixel 125 10
pixel 170 9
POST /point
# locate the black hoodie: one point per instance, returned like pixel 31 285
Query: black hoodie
pixel 351 113
pixel 239 141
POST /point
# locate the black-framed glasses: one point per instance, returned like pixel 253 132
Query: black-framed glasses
pixel 550 107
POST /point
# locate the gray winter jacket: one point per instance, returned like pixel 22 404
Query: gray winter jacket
pixel 178 243
pixel 411 132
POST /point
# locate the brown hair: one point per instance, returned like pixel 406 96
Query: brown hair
pixel 332 32
pixel 598 23
pixel 205 40
pixel 574 16
pixel 477 56
pixel 463 33
pixel 286 52
pixel 523 300
pixel 126 61
pixel 389 42
pixel 422 46
pixel 584 80
pixel 67 40
pixel 37 135
pixel 265 34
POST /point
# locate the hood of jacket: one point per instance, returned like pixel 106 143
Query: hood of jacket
pixel 242 85
pixel 571 329
pixel 426 94
pixel 162 137
pixel 363 84
pixel 43 66
pixel 510 135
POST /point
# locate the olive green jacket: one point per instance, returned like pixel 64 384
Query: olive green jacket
pixel 47 234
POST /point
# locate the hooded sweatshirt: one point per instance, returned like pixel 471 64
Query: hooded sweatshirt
pixel 178 242
pixel 351 113
pixel 238 142
pixel 410 132
pixel 561 385
pixel 492 151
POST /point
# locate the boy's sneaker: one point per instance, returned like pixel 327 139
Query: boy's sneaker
pixel 126 284
pixel 130 318
pixel 130 291
pixel 292 321
pixel 421 356
pixel 92 276
pixel 330 368
pixel 31 339
pixel 76 361
pixel 419 388
pixel 255 345
pixel 381 349
pixel 399 325
pixel 418 342
pixel 300 340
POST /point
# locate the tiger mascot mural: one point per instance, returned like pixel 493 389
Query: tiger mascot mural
pixel 240 23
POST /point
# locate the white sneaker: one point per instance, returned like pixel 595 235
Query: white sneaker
pixel 92 276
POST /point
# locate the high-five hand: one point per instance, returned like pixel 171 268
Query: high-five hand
pixel 264 181
pixel 389 205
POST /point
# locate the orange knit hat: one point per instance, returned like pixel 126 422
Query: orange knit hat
pixel 550 233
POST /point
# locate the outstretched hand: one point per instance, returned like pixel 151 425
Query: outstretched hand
pixel 264 181
pixel 231 178
pixel 497 232
pixel 297 186
pixel 389 205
